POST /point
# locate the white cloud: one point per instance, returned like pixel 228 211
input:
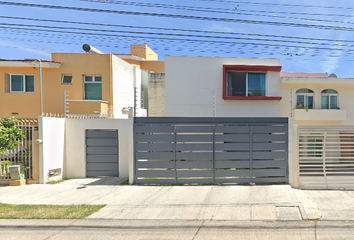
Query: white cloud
pixel 330 64
pixel 26 49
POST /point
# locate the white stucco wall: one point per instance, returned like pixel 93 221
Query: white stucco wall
pixel 51 131
pixel 123 75
pixel 75 149
pixel 190 82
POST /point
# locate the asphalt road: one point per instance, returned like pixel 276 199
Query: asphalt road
pixel 176 229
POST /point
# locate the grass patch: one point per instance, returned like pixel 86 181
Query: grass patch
pixel 126 182
pixel 58 181
pixel 12 211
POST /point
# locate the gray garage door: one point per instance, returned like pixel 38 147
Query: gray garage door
pixel 211 150
pixel 102 153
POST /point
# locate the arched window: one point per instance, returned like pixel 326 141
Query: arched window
pixel 329 99
pixel 304 98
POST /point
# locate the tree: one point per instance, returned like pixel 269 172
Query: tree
pixel 10 135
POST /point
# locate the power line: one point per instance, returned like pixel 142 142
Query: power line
pixel 100 43
pixel 214 10
pixel 177 29
pixel 186 39
pixel 300 13
pixel 223 10
pixel 327 27
pixel 180 35
pixel 277 4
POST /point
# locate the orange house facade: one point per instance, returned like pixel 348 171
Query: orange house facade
pixel 77 84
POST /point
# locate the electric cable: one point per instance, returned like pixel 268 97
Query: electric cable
pixel 327 27
pixel 183 39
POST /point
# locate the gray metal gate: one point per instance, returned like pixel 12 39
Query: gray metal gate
pixel 102 153
pixel 211 150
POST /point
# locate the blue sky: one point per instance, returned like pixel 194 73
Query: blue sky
pixel 307 35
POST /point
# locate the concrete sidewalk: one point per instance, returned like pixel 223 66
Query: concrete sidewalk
pixel 240 203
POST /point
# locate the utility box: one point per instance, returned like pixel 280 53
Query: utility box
pixel 17 172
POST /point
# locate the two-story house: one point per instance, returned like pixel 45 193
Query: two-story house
pixel 319 109
pixel 94 84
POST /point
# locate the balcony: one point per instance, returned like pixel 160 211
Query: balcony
pixel 87 107
pixel 320 115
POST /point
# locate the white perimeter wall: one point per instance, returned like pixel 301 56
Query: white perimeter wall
pixel 124 76
pixel 190 82
pixel 51 131
pixel 75 149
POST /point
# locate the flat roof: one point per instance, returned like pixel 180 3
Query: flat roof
pixel 29 63
pixel 303 75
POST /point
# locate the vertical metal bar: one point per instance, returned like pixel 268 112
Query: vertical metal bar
pixel 135 101
pixel 134 154
pixel 323 157
pixel 214 153
pixel 32 152
pixel 21 147
pixel 251 153
pixel 64 104
pixel 291 102
pixel 287 152
pixel 174 150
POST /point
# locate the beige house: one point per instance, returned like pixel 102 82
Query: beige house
pixel 321 110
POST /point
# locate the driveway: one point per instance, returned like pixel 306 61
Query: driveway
pixel 232 202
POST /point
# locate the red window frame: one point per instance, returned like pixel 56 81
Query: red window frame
pixel 247 68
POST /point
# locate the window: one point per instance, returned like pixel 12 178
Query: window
pixel 66 79
pixel 20 83
pixel 316 145
pixel 246 84
pixel 329 99
pixel 311 146
pixel 93 87
pixel 304 98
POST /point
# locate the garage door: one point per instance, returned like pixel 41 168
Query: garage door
pixel 102 153
pixel 211 150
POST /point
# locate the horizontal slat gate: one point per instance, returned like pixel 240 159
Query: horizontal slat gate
pixel 102 153
pixel 211 150
pixel 326 158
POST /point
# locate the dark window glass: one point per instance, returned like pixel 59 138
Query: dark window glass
pixel 236 83
pixel 17 83
pixel 29 83
pixel 67 79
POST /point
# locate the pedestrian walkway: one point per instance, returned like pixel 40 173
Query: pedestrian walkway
pixel 232 202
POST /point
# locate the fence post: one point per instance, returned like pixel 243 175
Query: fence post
pixel 40 152
pixel 132 157
pixel 214 154
pixel 35 167
pixel 294 167
pixel 174 151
